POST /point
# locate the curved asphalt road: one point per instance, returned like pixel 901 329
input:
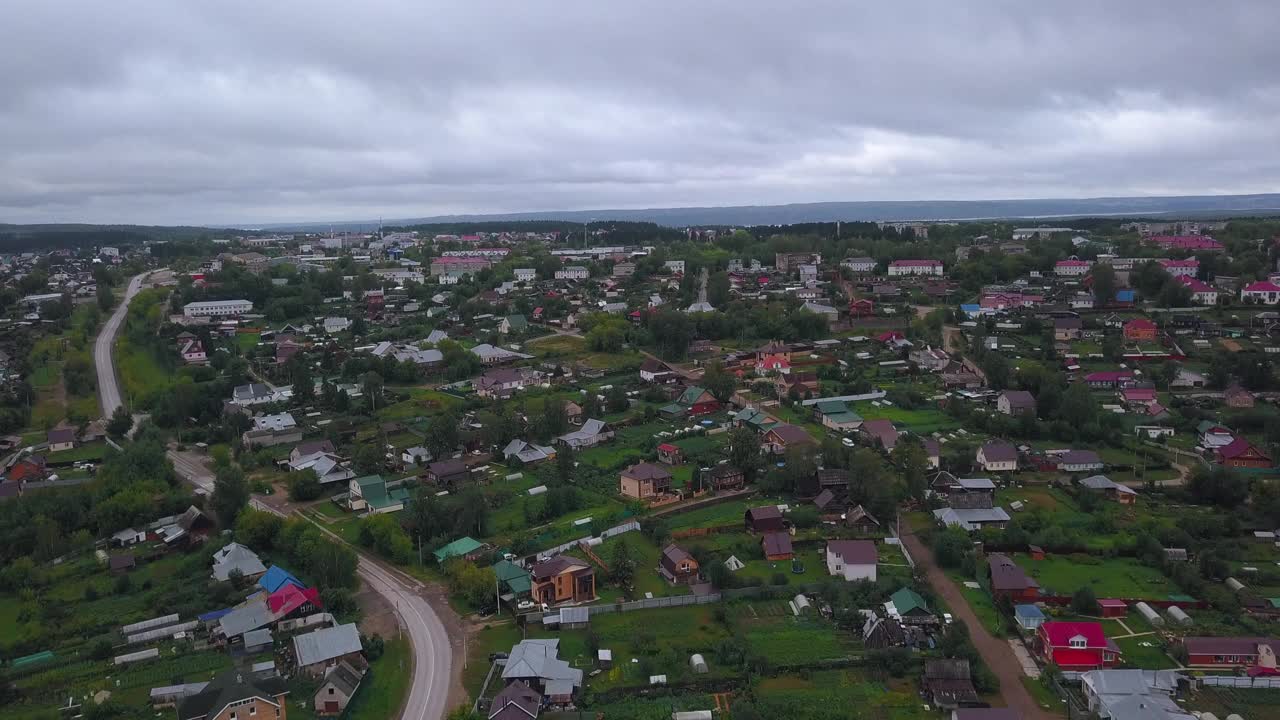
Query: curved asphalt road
pixel 432 653
pixel 108 387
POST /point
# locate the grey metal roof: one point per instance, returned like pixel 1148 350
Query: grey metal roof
pixel 539 659
pixel 261 636
pixel 326 644
pixel 250 616
pixel 236 557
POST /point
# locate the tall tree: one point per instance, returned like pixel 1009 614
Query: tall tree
pixel 744 451
pixel 1104 284
pixel 230 494
pixel 719 382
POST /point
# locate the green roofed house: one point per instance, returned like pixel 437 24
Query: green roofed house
pixel 514 582
pixel 513 324
pixel 754 419
pixel 463 547
pixel 693 401
pixel 910 607
pixel 836 415
pixel 370 494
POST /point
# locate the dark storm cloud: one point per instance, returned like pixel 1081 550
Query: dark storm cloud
pixel 239 111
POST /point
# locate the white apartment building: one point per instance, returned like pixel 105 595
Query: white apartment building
pixel 217 308
pixel 915 267
pixel 573 272
pixel 526 274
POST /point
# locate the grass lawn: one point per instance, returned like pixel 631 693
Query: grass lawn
pixel 815 570
pixel 1110 578
pixel 922 421
pixel 384 688
pixel 1145 652
pixel 1044 696
pixel 421 402
pixel 646 556
pixel 491 639
pixel 45 375
pixel 91 451
pixel 246 341
pixel 1249 704
pixel 843 694
pixel 143 377
pixel 981 604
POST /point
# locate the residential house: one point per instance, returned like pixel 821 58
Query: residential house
pixel 1009 581
pixel 948 683
pixel 513 324
pixel 447 473
pixel 997 456
pixel 503 382
pixel 1202 293
pixel 327 467
pixel 833 480
pixel 971 519
pixel 1074 461
pixel 1109 379
pixel 725 477
pixel 302 450
pixel 779 438
pixel 852 559
pixel 1081 646
pixel 1140 330
pixel 879 632
pixel 235 558
pixel 1263 293
pixel 573 272
pixel 1133 694
pixel 930 358
pixel 645 481
pixel 562 579
pixel 1066 329
pixel 1071 268
pixel 653 370
pixel 909 608
pixel 61 439
pixel 592 433
pixel 527 452
pixel 514 582
pixel 370 494
pixel 1240 453
pixel 1213 436
pixel 1237 397
pixel 536 663
pixel 915 267
pixel 764 519
pixel 777 546
pixel 192 352
pixel 879 433
pixel 670 454
pixel 1111 489
pixel 336 690
pixel 1016 402
pixel 516 701
pixel 932 452
pixel 1248 653
pixel 466 548
pixel 678 566
pixel 861 521
pixel 835 414
pixel 693 401
pixel 235 695
pixel 317 651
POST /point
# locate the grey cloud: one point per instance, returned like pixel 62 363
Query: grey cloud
pixel 238 111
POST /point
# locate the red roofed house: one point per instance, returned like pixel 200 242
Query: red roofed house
pixel 29 469
pixel 1070 268
pixel 1202 293
pixel 1266 293
pixel 1140 330
pixel 669 454
pixel 1076 645
pixel 863 307
pixel 290 598
pixel 1256 654
pixel 1109 379
pixel 773 363
pixel 1241 453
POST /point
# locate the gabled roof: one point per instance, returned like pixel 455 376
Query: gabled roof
pixel 458 548
pixel 790 434
pixel 1006 575
pixel 326 644
pixel 290 597
pixel 277 576
pixel 229 687
pixel 907 600
pixel 999 451
pixel 777 543
pixel 647 471
pixel 1059 634
pixel 854 552
pixel 236 557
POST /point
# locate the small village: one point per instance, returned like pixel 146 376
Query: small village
pixel 974 471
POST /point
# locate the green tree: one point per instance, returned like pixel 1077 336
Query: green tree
pixel 230 494
pixel 106 298
pixel 744 451
pixel 1104 284
pixel 718 381
pixel 565 461
pixel 303 485
pixel 913 463
pixel 1084 601
pixel 258 529
pixel 121 422
pixel 443 434
pixel 622 563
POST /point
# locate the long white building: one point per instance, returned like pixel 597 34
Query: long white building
pixel 217 308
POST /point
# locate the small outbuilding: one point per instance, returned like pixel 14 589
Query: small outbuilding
pixel 698 663
pixel 1112 608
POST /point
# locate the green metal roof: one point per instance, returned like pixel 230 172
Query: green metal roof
pixel 691 395
pixel 33 659
pixel 458 548
pixel 828 407
pixel 513 576
pixel 906 600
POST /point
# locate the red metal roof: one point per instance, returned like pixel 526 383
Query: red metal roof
pixel 1059 634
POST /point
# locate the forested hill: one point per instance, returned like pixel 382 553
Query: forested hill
pixel 22 238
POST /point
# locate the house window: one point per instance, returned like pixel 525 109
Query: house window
pixel 1078 643
pixel 330 691
pixel 253 710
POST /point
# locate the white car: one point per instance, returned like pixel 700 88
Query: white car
pixel 525 605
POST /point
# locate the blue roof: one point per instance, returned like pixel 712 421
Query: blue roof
pixel 1125 295
pixel 1027 611
pixel 971 307
pixel 211 616
pixel 276 577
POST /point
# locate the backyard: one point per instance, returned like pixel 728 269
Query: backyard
pixel 1110 578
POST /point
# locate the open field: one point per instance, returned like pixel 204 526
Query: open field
pixel 1109 578
pixel 384 688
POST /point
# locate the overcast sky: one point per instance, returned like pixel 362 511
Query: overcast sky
pixel 244 111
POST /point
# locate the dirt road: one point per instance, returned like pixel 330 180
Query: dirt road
pixel 997 654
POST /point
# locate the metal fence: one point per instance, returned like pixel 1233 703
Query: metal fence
pixel 625 527
pixel 1248 683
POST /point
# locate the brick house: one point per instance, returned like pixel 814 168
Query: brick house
pixel 644 480
pixel 678 566
pixel 232 696
pixel 1140 330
